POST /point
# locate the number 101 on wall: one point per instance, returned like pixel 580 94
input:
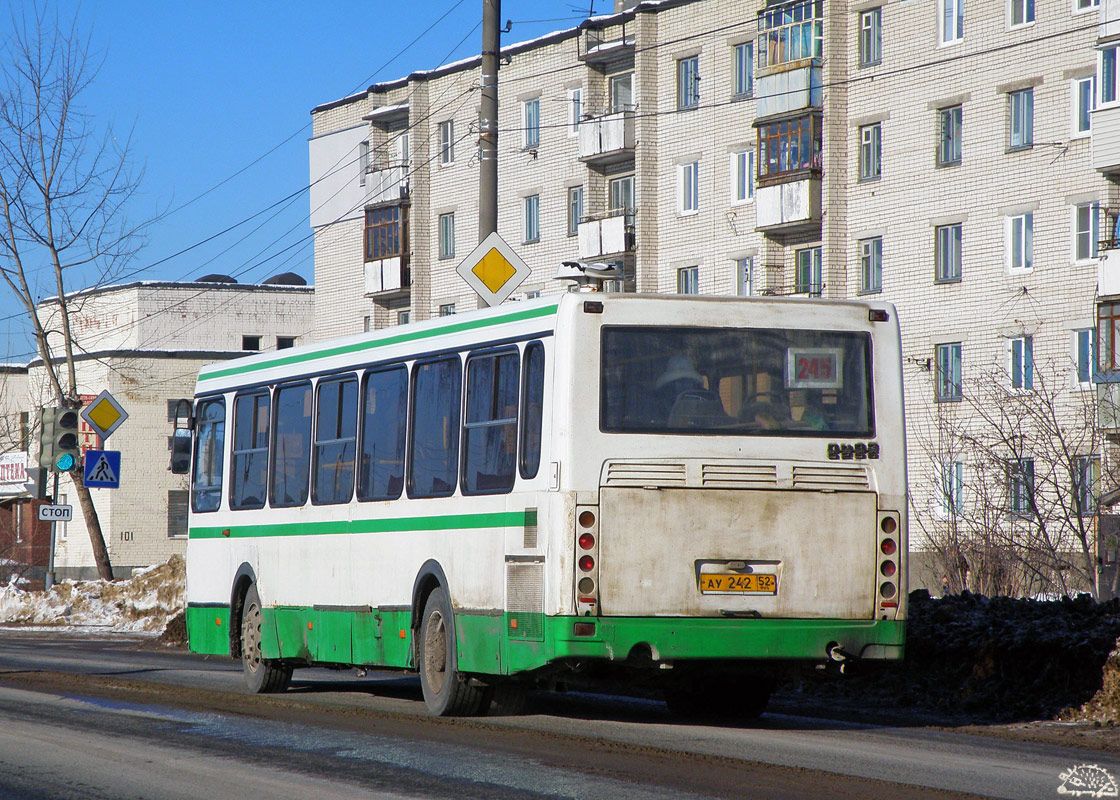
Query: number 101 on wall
pixel 815 368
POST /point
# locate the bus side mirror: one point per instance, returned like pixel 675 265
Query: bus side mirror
pixel 181 451
pixel 182 438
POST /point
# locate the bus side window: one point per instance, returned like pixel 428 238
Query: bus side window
pixel 249 468
pixel 381 465
pixel 433 462
pixel 209 443
pixel 336 435
pixel 490 427
pixel 532 405
pixel 291 447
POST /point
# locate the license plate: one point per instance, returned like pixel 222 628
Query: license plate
pixel 712 583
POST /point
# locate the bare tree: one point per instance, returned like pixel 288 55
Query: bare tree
pixel 63 188
pixel 1018 515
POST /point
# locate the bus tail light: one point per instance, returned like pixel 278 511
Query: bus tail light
pixel 587 562
pixel 888 559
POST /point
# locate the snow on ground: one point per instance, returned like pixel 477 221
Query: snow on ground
pixel 143 604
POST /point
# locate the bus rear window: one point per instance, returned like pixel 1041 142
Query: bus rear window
pixel 737 382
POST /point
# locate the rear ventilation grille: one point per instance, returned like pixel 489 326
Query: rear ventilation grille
pixel 830 477
pixel 734 476
pixel 635 473
pixel 525 601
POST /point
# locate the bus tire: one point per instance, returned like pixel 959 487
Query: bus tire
pixel 447 693
pixel 721 702
pixel 505 699
pixel 262 676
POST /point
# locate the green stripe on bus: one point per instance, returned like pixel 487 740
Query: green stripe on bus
pixel 501 519
pixel 358 347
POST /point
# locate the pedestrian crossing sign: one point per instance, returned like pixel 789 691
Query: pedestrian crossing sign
pixel 103 469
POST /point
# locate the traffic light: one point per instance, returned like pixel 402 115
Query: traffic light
pixel 58 439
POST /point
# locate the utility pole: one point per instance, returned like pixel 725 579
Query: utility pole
pixel 488 120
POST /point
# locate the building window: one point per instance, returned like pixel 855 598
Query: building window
pixel 404 316
pixel 808 278
pixel 1083 357
pixel 1108 332
pixel 1086 479
pixel 789 32
pixel 363 162
pixel 621 197
pixel 575 209
pixel 949 372
pixel 532 228
pixel 385 230
pixel 744 69
pixel 531 122
pixel 870 37
pixel 871 264
pixel 284 342
pixel 1085 5
pixel 688 82
pixel 948 255
pixel 1086 231
pixel 447 235
pixel 251 343
pixel 447 141
pixel 951 13
pixel 622 92
pixel 1022 12
pixel 1020 367
pixel 688 280
pixel 689 187
pixel 1021 129
pixel 447 310
pixel 744 269
pixel 1106 75
pixel 950 128
pixel 789 146
pixel 1020 241
pixel 1020 488
pixel 870 151
pixel 951 488
pixel 575 109
pixel 1084 101
pixel 742 176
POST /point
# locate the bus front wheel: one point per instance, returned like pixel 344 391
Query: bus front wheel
pixel 261 675
pixel 447 693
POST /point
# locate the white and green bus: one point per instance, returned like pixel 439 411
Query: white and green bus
pixel 691 493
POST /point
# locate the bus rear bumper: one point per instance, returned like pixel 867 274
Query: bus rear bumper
pixel 678 639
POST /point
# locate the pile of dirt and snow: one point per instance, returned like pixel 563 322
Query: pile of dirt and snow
pixel 143 604
pixel 995 659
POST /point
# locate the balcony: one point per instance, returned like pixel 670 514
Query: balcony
pixel 385 183
pixel 597 47
pixel 788 91
pixel 791 207
pixel 387 276
pixel 605 237
pixel 607 139
pixel 1108 269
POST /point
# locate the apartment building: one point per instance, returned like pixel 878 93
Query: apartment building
pixel 955 157
pixel 145 342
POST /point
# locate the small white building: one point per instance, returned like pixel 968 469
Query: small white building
pixel 145 343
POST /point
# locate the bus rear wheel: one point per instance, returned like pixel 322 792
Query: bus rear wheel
pixel 447 693
pixel 726 701
pixel 261 675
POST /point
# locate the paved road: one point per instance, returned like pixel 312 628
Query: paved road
pixel 89 717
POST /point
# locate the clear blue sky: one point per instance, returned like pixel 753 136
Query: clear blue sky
pixel 209 88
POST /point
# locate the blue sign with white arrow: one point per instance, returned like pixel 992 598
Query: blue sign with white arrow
pixel 103 469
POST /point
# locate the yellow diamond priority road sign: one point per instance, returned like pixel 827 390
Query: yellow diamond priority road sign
pixel 493 270
pixel 104 414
